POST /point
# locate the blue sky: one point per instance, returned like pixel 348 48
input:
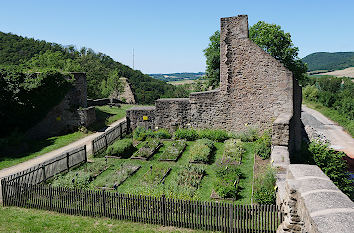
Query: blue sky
pixel 169 36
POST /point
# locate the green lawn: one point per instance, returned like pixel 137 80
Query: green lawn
pixel 332 114
pixel 14 219
pixel 140 183
pixel 40 147
pixel 105 116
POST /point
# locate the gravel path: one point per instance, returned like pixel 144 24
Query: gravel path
pixel 320 127
pixel 40 159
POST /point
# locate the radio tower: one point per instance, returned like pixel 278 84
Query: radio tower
pixel 133 58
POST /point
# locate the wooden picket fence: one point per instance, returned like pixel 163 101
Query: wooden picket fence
pixel 100 143
pixel 153 210
pixel 50 168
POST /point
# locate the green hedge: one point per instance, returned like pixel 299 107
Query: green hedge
pixel 333 165
pixel 141 134
pixel 121 148
pixel 263 146
pixel 187 134
pixel 264 187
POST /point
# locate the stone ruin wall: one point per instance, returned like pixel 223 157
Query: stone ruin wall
pixel 255 90
pixel 69 114
pixel 126 95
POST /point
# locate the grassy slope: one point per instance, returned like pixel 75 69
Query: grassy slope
pixel 134 185
pixel 105 116
pixel 14 219
pixel 348 125
pixel 41 147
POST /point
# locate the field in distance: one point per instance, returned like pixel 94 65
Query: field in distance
pixel 348 72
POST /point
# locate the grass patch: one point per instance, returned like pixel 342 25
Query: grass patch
pixel 332 114
pixel 40 147
pixel 105 115
pixel 14 219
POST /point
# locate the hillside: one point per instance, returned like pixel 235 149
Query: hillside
pixel 329 61
pixel 101 70
pixel 177 76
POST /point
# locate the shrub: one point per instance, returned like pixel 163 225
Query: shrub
pixel 333 165
pixel 162 134
pixel 264 187
pixel 140 133
pixel 227 179
pixel 233 150
pixel 122 148
pixel 263 146
pixel 201 151
pixel 249 135
pixel 213 134
pixel 188 134
pixel 311 92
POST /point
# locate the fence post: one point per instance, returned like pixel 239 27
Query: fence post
pixel 3 192
pixel 93 147
pixel 85 153
pixel 120 130
pixel 104 202
pixel 67 161
pixel 43 168
pixel 105 139
pixel 163 210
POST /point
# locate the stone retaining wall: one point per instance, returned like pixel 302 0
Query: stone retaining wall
pixel 313 203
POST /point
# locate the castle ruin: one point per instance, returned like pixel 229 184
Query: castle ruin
pixel 255 90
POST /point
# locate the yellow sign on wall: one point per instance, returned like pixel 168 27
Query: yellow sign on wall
pixel 145 118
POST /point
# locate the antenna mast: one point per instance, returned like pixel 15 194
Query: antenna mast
pixel 133 58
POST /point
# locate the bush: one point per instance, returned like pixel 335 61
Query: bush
pixel 140 133
pixel 263 146
pixel 227 179
pixel 121 148
pixel 201 151
pixel 214 134
pixel 162 134
pixel 264 187
pixel 233 150
pixel 333 165
pixel 250 135
pixel 311 93
pixel 188 134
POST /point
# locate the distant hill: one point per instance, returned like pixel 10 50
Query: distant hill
pixel 177 76
pixel 329 61
pixel 32 54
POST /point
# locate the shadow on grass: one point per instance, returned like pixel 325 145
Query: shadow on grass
pixel 23 148
pixel 100 124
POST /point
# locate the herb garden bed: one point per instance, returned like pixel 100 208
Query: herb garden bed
pixel 148 149
pixel 118 177
pixel 173 151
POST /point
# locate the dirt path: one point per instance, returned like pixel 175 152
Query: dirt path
pixel 339 139
pixel 40 159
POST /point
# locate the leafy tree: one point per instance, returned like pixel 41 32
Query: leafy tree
pixel 212 54
pixel 271 39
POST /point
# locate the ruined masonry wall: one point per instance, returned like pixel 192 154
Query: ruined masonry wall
pixel 255 89
pixel 66 116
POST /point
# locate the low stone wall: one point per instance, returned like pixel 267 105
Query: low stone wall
pixel 101 102
pixel 87 116
pixel 313 203
pixel 172 113
pixel 141 116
